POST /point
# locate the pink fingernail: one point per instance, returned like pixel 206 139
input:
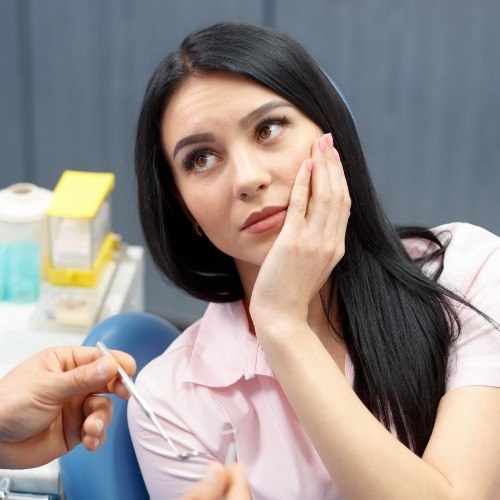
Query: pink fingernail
pixel 329 140
pixel 322 144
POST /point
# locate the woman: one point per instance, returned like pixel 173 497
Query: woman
pixel 329 333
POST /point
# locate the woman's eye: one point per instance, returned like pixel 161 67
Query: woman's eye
pixel 271 129
pixel 199 161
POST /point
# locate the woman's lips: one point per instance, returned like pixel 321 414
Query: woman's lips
pixel 266 223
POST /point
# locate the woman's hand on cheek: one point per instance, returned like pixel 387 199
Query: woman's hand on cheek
pixel 310 244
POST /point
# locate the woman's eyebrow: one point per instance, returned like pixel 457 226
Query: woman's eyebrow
pixel 247 120
pixel 244 122
pixel 193 139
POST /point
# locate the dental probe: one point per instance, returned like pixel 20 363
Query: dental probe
pixel 231 455
pixel 129 384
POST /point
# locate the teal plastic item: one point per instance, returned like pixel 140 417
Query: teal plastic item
pixel 23 272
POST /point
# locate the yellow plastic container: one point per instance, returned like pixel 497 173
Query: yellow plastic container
pixel 80 236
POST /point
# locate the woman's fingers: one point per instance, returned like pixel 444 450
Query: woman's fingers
pixel 328 210
pixel 299 197
pixel 344 218
pixel 320 201
pixel 321 196
pixel 340 193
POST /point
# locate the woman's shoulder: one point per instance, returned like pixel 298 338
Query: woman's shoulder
pixel 163 382
pixel 173 362
pixel 192 355
pixel 461 237
pixel 468 249
pixel 467 239
pixel 472 252
pixel 472 268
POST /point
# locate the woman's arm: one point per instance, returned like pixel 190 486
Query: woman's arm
pixel 162 385
pixel 462 459
pixel 364 460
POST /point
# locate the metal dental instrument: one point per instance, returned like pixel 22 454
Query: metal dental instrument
pixel 129 384
pixel 231 455
pixel 231 450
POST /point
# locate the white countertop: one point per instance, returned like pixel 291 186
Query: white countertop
pixel 19 339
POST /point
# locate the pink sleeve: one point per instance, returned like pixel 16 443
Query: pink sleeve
pixel 472 267
pixel 175 404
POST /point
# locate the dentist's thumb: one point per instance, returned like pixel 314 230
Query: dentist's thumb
pixel 87 378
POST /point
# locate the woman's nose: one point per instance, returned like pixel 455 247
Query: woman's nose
pixel 250 176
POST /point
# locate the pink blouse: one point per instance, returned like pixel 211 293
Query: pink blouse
pixel 214 383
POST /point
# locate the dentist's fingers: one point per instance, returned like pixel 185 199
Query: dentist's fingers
pixel 84 371
pixel 212 487
pixel 299 197
pixel 92 443
pixel 98 411
pixel 220 483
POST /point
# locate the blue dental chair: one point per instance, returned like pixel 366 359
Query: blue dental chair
pixel 112 472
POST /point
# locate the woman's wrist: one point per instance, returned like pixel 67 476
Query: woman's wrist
pixel 280 328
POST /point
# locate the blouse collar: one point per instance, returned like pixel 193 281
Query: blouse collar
pixel 224 349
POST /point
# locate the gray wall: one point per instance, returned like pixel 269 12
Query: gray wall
pixel 422 78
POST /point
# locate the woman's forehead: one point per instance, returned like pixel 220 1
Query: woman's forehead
pixel 212 97
pixel 220 88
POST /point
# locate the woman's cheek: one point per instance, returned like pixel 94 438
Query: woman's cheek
pixel 294 160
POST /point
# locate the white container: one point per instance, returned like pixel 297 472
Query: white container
pixel 22 218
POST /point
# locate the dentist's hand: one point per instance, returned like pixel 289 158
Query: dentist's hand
pixel 310 244
pixel 221 483
pixel 48 404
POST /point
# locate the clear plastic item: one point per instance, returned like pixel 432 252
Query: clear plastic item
pixel 67 307
pixel 72 308
pixel 75 243
pixel 22 272
pixel 81 238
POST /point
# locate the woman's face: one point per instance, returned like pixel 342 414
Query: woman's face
pixel 235 147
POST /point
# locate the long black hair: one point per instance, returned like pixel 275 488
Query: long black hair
pixel 397 323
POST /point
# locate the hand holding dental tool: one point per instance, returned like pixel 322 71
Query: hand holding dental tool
pixel 129 384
